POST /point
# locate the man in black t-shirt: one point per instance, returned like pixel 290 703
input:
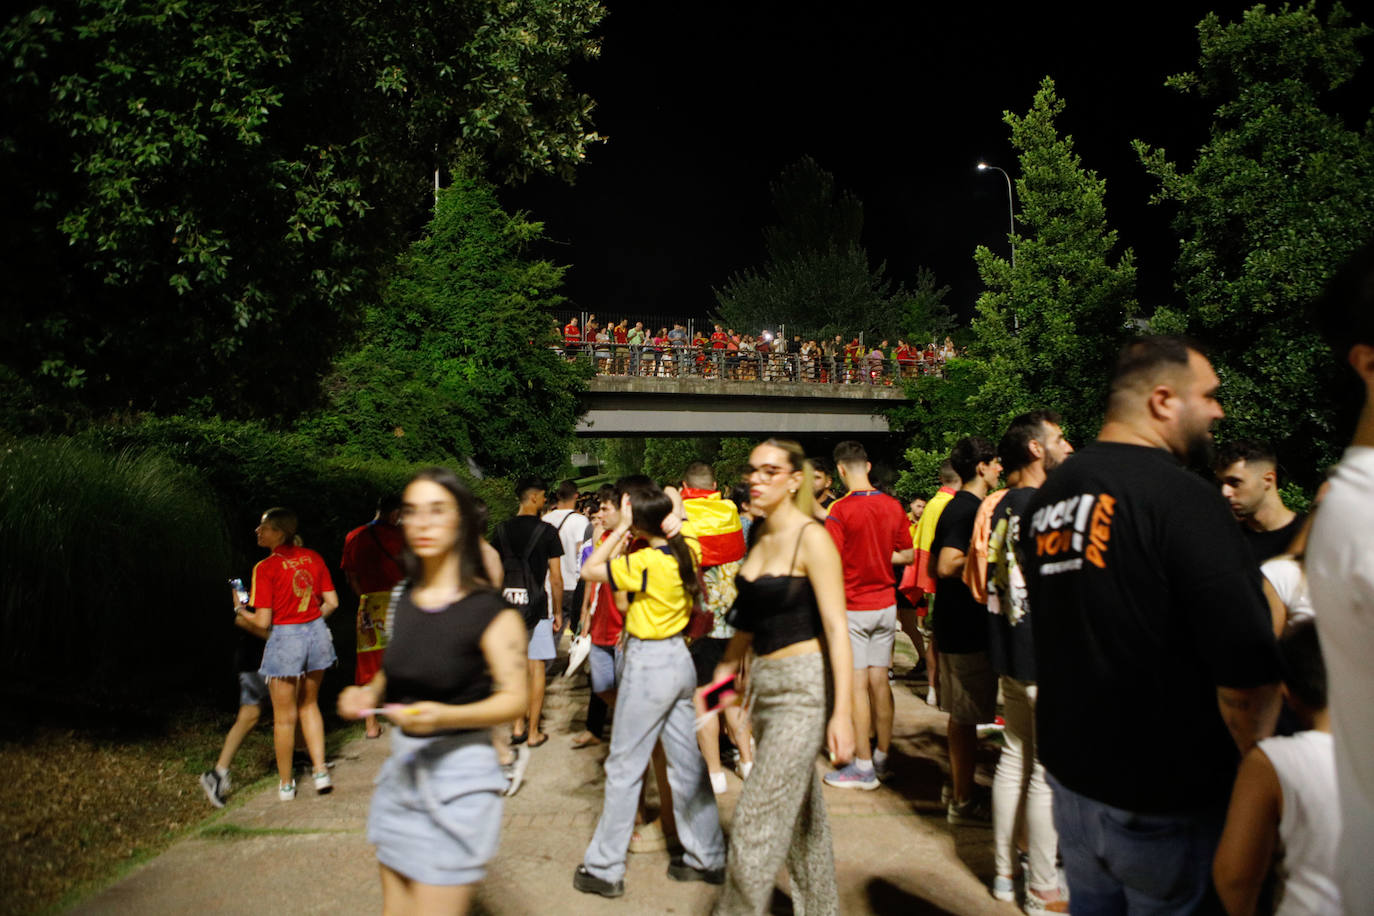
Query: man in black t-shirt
pixel 512 539
pixel 1248 471
pixel 1154 655
pixel 968 685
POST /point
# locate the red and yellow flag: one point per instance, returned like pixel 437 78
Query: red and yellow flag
pixel 715 522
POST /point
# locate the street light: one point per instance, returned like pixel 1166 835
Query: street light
pixel 1011 211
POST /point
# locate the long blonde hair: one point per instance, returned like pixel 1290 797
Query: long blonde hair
pixel 803 499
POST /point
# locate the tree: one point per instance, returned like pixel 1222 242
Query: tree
pixel 925 316
pixel 1048 329
pixel 1278 196
pixel 199 197
pixel 817 280
pixel 456 359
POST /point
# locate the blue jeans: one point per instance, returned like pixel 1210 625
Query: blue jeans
pixel 655 702
pixel 1118 861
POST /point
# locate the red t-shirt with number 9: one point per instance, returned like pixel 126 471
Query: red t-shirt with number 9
pixel 290 582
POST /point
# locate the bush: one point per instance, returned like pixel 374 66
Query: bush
pixel 118 544
pixel 114 566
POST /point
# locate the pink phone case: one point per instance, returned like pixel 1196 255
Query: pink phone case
pixel 723 697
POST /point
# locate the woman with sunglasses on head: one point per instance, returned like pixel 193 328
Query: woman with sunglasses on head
pixel 790 608
pixel 654 696
pixel 292 595
pixel 455 666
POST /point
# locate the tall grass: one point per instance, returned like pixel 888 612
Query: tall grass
pixel 114 566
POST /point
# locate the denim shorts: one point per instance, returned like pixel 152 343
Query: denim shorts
pixel 436 812
pixel 603 664
pixel 294 648
pixel 541 647
pixel 252 689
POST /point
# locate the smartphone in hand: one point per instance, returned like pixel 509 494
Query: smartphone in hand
pixel 240 592
pixel 721 693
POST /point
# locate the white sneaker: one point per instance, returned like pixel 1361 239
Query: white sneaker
pixel 287 792
pixel 515 770
pixel 718 782
pixel 745 769
pixel 323 784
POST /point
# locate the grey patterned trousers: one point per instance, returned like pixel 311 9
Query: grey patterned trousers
pixel 780 819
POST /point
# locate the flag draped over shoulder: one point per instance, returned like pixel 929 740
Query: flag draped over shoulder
pixel 715 522
pixel 925 536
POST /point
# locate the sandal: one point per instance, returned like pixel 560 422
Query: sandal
pixel 586 739
pixel 536 742
pixel 518 739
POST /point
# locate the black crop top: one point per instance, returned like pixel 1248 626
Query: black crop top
pixel 437 655
pixel 779 610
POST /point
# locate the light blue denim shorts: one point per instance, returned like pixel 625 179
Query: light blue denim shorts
pixel 253 689
pixel 294 648
pixel 541 647
pixel 436 812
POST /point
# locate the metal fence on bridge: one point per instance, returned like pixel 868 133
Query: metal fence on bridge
pixel 725 365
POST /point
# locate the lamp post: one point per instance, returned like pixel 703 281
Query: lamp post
pixel 1011 209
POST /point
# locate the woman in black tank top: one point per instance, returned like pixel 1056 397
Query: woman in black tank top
pixel 455 666
pixel 791 612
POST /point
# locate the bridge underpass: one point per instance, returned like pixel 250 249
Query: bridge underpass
pixel 656 407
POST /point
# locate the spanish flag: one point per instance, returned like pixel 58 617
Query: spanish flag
pixel 715 522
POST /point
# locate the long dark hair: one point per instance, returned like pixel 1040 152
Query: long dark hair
pixel 648 509
pixel 470 569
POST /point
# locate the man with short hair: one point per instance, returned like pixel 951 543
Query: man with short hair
pixel 923 593
pixel 821 482
pixel 527 535
pixel 968 686
pixel 1154 653
pixel 1341 577
pixel 1032 447
pixel 1249 475
pixel 574 530
pixel 372 562
pixel 870 530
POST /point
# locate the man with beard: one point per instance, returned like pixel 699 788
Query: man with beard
pixel 1032 447
pixel 1249 473
pixel 1154 654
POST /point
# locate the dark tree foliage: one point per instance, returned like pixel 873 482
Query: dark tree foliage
pixel 455 362
pixel 1048 329
pixel 1280 194
pixel 199 196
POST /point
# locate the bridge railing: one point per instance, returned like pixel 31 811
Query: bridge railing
pixel 609 359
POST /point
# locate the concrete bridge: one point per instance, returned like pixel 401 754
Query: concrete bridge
pixel 620 405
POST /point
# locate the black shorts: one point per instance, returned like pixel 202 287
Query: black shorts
pixel 706 654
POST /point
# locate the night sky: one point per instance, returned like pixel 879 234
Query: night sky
pixel 704 103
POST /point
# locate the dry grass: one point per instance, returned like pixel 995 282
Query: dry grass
pixel 79 807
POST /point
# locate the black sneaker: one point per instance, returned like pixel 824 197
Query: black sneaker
pixel 215 786
pixel 588 883
pixel 679 870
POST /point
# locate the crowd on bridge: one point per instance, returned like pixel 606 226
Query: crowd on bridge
pixel 1158 646
pixel 724 353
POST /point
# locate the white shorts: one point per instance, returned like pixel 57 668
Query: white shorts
pixel 871 637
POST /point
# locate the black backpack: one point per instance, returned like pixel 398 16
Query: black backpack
pixel 523 588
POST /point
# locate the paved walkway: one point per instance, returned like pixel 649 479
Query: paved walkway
pixel 894 851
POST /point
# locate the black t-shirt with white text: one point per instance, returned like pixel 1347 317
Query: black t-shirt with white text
pixel 960 621
pixel 1145 600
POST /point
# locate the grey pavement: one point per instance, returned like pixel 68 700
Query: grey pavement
pixel 894 851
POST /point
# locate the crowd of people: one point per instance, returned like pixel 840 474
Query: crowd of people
pixel 1149 637
pixel 724 353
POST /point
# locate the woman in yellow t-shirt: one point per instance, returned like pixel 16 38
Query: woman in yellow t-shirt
pixel 654 699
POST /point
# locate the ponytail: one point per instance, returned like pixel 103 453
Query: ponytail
pixel 648 509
